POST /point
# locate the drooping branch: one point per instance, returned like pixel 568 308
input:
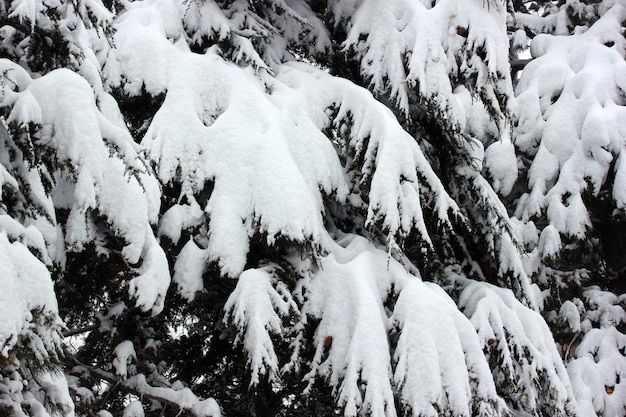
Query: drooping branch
pixel 183 400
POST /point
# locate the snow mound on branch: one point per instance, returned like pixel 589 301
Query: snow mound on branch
pixel 519 341
pixel 217 125
pixel 26 288
pixel 353 284
pixel 394 169
pixel 501 164
pixel 257 307
pixel 124 355
pixel 189 268
pixel 177 395
pixel 260 148
pixel 261 34
pixel 417 347
pixel 30 332
pixel 404 44
pixel 99 171
pixel 598 370
pixel 453 374
pixel 379 333
pixel 573 122
pixel 134 409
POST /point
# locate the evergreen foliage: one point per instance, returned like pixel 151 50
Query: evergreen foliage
pixel 296 208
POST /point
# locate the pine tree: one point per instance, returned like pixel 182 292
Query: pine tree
pixel 284 208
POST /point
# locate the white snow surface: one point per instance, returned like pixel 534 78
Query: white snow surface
pixel 261 144
pixel 573 121
pixel 258 305
pixel 26 287
pixel 183 397
pixel 103 175
pixel 422 349
pixel 597 370
pixel 124 354
pixel 28 308
pixel 417 44
pixel 523 344
pixel 599 364
pixel 134 409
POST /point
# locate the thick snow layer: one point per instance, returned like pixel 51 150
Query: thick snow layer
pixel 501 164
pixel 182 397
pixel 353 284
pixel 198 135
pixel 150 287
pixel 420 349
pixel 411 44
pixel 49 388
pixel 520 342
pixel 261 145
pixel 124 354
pixel 435 334
pixel 189 267
pixel 134 409
pixel 26 288
pixel 597 371
pixel 29 312
pixel 100 173
pixel 573 121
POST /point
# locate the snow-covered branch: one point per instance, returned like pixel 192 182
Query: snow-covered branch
pixel 181 399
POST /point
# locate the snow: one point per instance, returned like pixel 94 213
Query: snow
pixel 134 409
pixel 422 347
pixel 183 397
pixel 352 285
pixel 594 373
pixel 179 218
pixel 598 364
pixel 569 312
pixel 188 269
pixel 104 174
pixel 257 183
pixel 572 121
pixel 271 169
pixel 124 354
pixel 549 242
pixel 29 312
pixel 522 343
pixel 501 164
pixel 150 287
pixel 257 308
pixel 263 149
pixel 51 388
pixel 433 333
pixel 411 45
pixel 27 288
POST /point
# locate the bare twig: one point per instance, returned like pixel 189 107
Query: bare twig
pixel 74 332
